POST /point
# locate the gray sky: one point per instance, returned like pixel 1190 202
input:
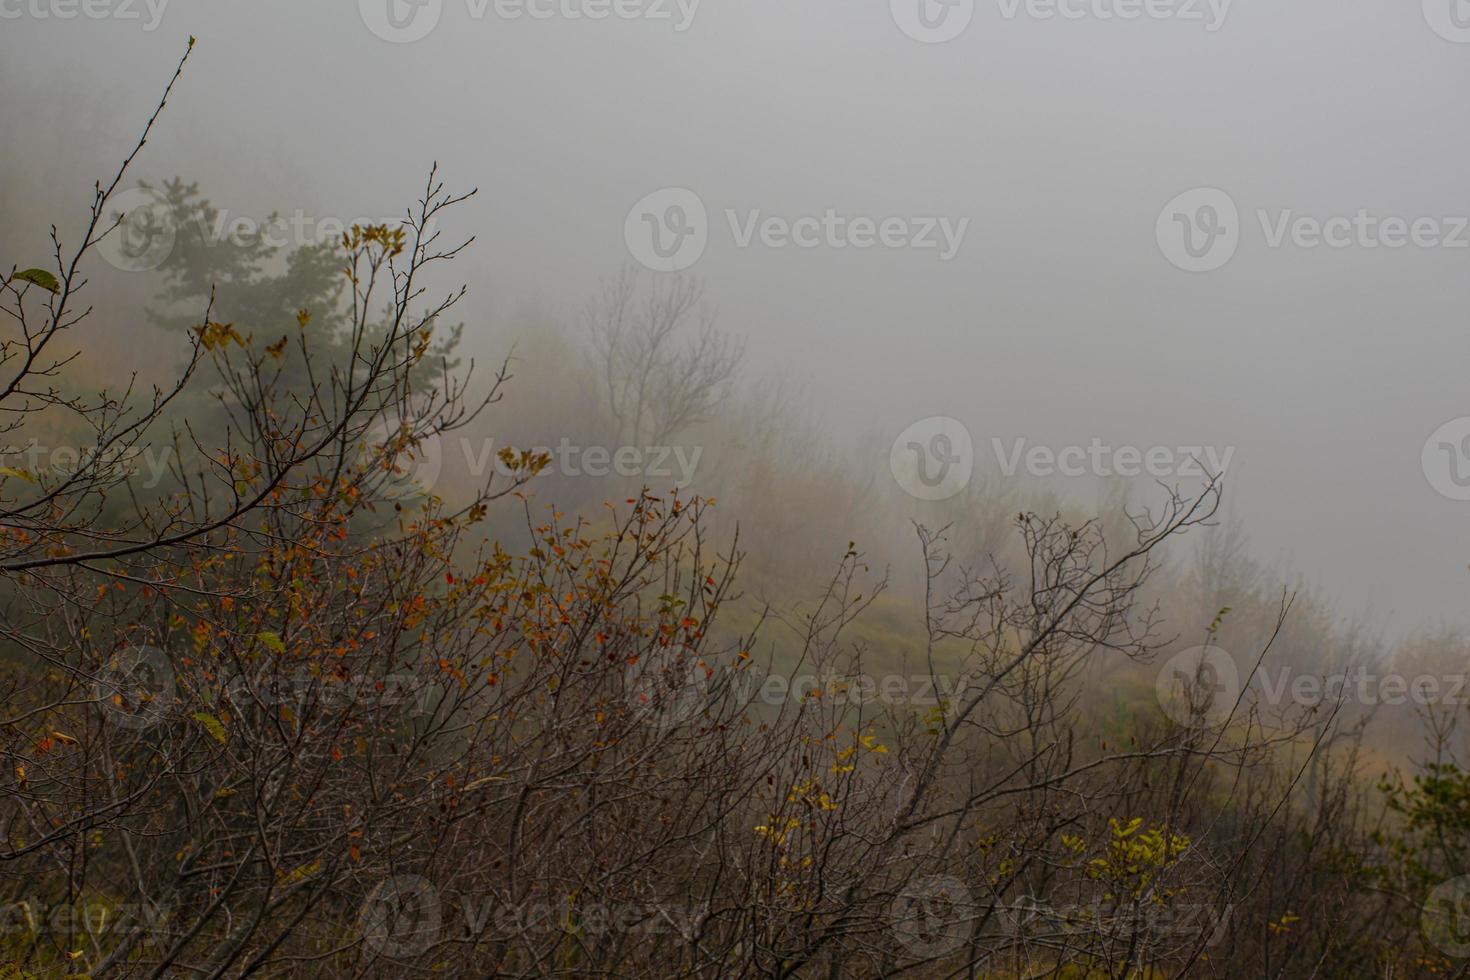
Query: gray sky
pixel 1060 319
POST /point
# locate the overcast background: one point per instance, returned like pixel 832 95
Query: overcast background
pixel 1060 320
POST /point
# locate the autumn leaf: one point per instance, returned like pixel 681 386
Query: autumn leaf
pixel 40 277
pixel 212 725
pixel 302 872
pixel 213 335
pixel 271 642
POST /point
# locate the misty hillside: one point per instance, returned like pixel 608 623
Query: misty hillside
pixel 647 488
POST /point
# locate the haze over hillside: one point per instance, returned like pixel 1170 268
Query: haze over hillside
pixel 665 488
pixel 1059 139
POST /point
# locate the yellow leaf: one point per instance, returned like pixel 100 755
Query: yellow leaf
pixel 213 335
pixel 304 871
pixel 212 725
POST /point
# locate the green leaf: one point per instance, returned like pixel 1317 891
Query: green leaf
pixel 272 642
pixel 18 474
pixel 40 277
pixel 212 725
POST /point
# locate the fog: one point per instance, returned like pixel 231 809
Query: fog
pixel 1047 146
pixel 639 488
